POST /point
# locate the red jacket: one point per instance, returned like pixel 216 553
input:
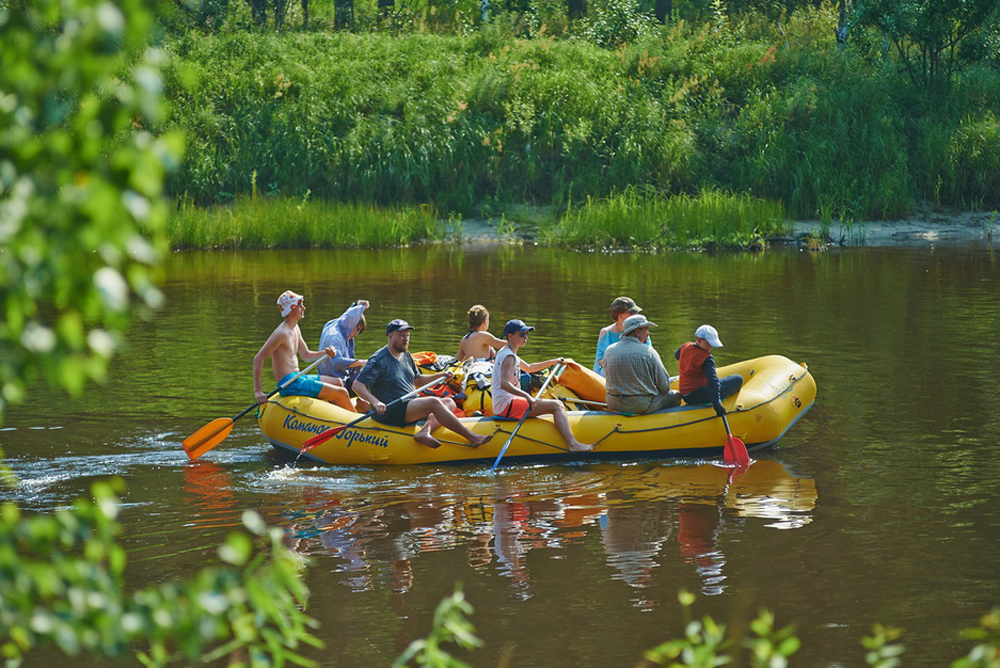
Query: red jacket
pixel 689 361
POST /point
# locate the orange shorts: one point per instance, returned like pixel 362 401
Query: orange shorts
pixel 516 408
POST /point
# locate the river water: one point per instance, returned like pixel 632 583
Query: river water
pixel 878 506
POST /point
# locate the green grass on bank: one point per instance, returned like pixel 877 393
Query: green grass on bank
pixel 470 123
pixel 634 219
pixel 278 222
pixel 628 220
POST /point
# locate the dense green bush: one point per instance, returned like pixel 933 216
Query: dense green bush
pixel 743 105
pixel 62 585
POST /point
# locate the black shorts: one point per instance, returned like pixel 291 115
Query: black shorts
pixel 395 415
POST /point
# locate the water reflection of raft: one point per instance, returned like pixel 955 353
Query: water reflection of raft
pixel 777 392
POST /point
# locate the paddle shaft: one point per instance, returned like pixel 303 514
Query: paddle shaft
pixel 330 433
pixel 571 400
pixel 282 386
pixel 506 445
pixel 218 429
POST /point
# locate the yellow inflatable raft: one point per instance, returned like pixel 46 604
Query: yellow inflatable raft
pixel 775 394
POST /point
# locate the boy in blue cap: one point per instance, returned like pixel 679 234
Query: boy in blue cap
pixel 509 400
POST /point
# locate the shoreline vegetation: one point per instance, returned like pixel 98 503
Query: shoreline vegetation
pixel 629 220
pixel 688 134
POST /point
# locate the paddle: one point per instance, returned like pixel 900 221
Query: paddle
pixel 555 372
pixel 218 429
pixel 323 436
pixel 735 451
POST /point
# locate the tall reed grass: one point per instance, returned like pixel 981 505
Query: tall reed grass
pixel 636 219
pixel 279 222
pixel 464 122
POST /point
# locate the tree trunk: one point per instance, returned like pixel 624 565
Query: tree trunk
pixel 258 9
pixel 842 28
pixel 305 13
pixel 343 14
pixel 280 9
pixel 663 9
pixel 576 9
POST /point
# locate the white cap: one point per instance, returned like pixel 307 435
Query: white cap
pixel 708 333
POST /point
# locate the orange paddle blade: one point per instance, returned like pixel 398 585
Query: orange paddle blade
pixel 207 437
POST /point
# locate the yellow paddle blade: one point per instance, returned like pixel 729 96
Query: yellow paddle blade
pixel 207 437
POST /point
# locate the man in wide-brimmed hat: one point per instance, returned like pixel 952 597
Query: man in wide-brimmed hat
pixel 637 381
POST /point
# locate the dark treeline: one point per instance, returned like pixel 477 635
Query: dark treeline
pixel 853 109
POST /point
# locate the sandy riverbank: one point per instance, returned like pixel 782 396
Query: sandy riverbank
pixel 925 228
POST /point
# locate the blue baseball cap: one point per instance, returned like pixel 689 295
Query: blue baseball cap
pixel 516 326
pixel 397 325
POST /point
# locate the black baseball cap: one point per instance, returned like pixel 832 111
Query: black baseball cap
pixel 397 325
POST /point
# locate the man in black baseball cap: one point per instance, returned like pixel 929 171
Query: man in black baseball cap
pixel 390 374
pixel 397 325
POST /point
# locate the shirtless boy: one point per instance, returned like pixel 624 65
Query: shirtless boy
pixel 284 347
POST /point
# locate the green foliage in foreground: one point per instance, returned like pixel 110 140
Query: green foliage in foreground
pixel 81 221
pixel 61 584
pixel 81 235
pixel 467 122
pixel 450 626
pixel 279 222
pixel 634 219
pixel 706 644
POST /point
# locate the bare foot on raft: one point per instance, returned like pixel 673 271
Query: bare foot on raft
pixel 577 446
pixel 423 436
pixel 480 440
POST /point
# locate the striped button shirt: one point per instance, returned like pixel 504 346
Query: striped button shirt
pixel 632 368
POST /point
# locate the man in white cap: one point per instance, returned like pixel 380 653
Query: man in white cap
pixel 284 347
pixel 637 381
pixel 699 383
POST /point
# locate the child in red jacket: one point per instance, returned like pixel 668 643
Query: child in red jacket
pixel 699 383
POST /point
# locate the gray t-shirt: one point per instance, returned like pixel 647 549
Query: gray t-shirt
pixel 389 378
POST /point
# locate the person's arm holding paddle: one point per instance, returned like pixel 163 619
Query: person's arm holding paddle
pixel 427 379
pixel 538 366
pixel 363 392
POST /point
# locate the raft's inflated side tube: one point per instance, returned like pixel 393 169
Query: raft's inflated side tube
pixel 776 393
